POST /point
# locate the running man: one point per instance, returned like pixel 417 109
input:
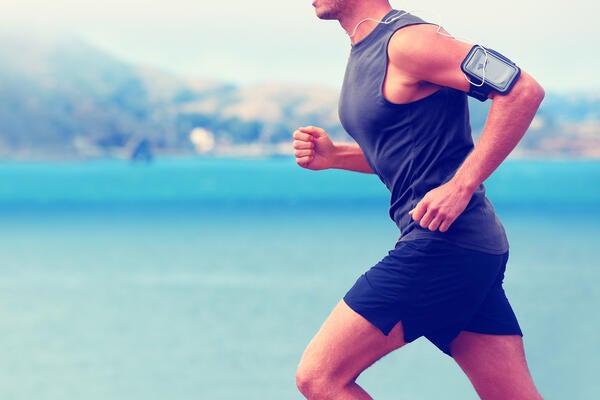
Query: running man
pixel 404 101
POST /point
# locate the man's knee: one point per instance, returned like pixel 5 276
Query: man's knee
pixel 309 382
pixel 315 383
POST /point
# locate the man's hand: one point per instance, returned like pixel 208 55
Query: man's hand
pixel 313 148
pixel 440 207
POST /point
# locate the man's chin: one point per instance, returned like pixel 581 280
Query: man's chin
pixel 325 15
pixel 326 11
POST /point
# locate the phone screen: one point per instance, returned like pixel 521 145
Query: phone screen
pixel 489 67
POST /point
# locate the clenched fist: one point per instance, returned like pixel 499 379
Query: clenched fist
pixel 313 148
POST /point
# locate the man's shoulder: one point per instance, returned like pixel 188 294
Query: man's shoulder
pixel 413 38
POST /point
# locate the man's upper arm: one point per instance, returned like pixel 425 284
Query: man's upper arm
pixel 425 53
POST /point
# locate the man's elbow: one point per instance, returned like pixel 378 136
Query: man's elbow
pixel 529 90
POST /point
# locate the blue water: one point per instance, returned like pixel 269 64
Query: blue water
pixel 205 279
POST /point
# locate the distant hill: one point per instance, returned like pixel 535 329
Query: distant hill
pixel 61 98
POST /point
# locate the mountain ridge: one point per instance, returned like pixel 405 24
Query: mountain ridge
pixel 65 99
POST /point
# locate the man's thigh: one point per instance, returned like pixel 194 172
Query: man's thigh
pixel 495 365
pixel 346 345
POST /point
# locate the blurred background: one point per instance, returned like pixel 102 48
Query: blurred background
pixel 157 239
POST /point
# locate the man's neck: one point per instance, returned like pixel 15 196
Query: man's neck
pixel 361 22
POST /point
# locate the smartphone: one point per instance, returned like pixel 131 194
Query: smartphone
pixel 488 67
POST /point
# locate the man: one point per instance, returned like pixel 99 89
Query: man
pixel 404 102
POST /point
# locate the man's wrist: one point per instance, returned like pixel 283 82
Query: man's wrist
pixel 349 156
pixel 464 184
pixel 339 155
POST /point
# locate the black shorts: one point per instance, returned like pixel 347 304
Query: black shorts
pixel 437 290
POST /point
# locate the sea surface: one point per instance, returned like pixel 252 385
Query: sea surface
pixel 206 278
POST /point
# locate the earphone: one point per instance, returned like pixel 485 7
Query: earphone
pixel 399 14
pixel 389 20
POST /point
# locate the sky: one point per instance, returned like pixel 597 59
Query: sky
pixel 248 43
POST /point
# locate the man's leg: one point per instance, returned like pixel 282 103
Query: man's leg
pixel 346 345
pixel 495 365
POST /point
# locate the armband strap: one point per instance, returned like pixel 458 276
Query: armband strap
pixel 478 91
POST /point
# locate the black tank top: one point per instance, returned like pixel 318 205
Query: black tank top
pixel 414 147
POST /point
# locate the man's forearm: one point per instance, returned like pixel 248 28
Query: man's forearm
pixel 508 120
pixel 350 157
